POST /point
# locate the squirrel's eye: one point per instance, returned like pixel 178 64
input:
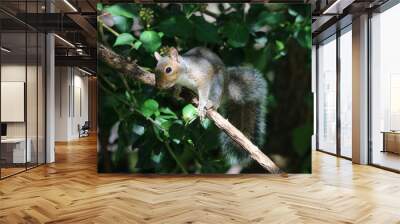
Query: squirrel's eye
pixel 168 70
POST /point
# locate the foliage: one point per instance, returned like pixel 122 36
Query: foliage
pixel 146 130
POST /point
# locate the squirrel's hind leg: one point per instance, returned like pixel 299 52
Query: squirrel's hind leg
pixel 216 91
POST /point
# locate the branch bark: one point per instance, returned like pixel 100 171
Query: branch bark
pixel 125 66
pixel 128 67
pixel 243 141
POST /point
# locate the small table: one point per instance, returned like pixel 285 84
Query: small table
pixel 17 150
pixel 391 141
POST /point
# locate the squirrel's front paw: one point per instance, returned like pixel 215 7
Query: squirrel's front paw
pixel 201 111
pixel 209 105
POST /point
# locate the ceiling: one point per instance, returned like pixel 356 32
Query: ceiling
pixel 330 15
pixel 74 22
pixel 15 42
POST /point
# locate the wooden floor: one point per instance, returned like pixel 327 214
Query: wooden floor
pixel 10 171
pixel 386 159
pixel 71 191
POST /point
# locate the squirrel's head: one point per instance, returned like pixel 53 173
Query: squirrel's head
pixel 168 69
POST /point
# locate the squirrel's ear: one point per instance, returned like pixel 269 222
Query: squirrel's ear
pixel 173 53
pixel 157 55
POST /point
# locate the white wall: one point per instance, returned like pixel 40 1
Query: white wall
pixel 71 102
pixel 62 81
pixel 16 73
pixel 12 73
pixel 80 96
pixel 33 126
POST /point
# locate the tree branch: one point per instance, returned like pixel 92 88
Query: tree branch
pixel 125 66
pixel 243 141
pixel 128 67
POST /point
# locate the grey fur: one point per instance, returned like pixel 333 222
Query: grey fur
pixel 239 93
pixel 244 105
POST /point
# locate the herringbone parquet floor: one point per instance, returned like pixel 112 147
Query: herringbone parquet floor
pixel 71 191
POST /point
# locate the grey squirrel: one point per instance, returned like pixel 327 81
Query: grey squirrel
pixel 238 92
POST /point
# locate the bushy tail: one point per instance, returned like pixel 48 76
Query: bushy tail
pixel 244 105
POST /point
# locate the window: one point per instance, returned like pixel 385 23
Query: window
pixel 327 95
pixel 385 89
pixel 22 101
pixel 346 92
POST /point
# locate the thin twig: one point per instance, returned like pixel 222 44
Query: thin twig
pixel 166 143
pixel 111 30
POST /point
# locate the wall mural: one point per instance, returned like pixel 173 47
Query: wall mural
pixel 204 88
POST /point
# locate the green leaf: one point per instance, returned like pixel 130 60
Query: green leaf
pixel 157 157
pixel 99 6
pixel 304 38
pixel 189 113
pixel 299 19
pixel 133 159
pixel 124 39
pixel 189 9
pixel 137 45
pixel 166 110
pixel 149 107
pixel 279 45
pixel 292 12
pixel 128 95
pixel 280 55
pixel 151 41
pixel 166 124
pixel 123 24
pixel 205 32
pixel 268 18
pixel 178 26
pixel 237 34
pixel 157 133
pixel 126 10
